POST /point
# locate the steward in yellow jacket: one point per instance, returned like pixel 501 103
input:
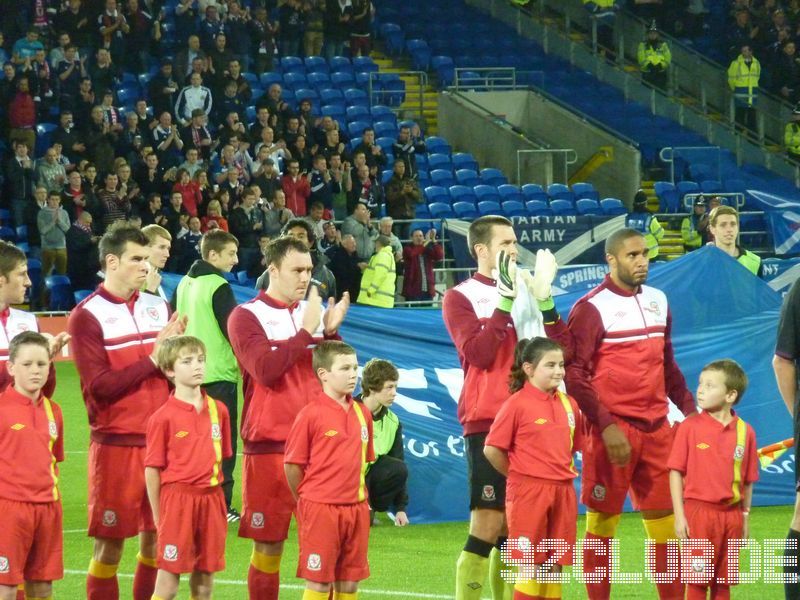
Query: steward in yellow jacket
pixel 378 281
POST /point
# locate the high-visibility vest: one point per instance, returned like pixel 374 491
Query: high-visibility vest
pixel 649 227
pixel 600 3
pixel 658 56
pixel 743 80
pixel 791 137
pixel 750 261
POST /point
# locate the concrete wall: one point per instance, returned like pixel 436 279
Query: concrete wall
pixel 546 121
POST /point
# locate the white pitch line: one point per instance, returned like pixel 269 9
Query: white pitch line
pixel 74 531
pixel 292 586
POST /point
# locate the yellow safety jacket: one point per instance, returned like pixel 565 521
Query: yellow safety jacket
pixel 600 3
pixel 791 137
pixel 743 80
pixel 692 238
pixel 378 281
pixel 649 56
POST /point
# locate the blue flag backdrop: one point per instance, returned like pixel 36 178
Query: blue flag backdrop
pixel 719 310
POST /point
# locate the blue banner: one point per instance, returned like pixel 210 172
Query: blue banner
pixel 719 310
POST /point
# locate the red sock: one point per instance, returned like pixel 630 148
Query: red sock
pixel 667 591
pixel 102 589
pixel 144 579
pixel 593 560
pixel 696 592
pixel 261 585
pixel 21 593
pixel 720 592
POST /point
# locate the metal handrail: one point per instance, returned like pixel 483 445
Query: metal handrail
pixel 688 199
pixel 569 154
pixel 490 78
pixel 421 76
pixel 667 155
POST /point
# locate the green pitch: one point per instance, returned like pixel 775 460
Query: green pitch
pixel 415 562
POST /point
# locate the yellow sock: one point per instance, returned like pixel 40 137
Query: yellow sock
pixel 531 588
pixel 50 597
pixel 150 562
pixel 266 563
pixel 312 595
pixel 102 570
pixel 660 530
pixel 550 590
pixel 154 597
pixel 345 595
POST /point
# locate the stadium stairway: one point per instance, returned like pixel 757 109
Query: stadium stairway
pixel 430 96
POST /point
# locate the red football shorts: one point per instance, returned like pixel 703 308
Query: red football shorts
pixel 604 486
pixel 31 547
pixel 118 504
pixel 718 525
pixel 333 541
pixel 192 526
pixel 537 510
pixel 267 501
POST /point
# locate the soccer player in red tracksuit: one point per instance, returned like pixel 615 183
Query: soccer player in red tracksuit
pixel 272 337
pixel 14 281
pixel 31 445
pixel 187 440
pixel 532 441
pixel 327 453
pixel 622 371
pixel 482 316
pixel 115 333
pixel 713 466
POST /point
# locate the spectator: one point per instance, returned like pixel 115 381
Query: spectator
pixel 115 205
pixel 315 218
pixel 359 225
pixel 378 281
pixel 276 151
pixel 25 48
pixel 22 114
pixel 402 197
pixel 337 27
pixel 19 181
pixel 82 260
pixel 151 213
pixel 78 198
pixel 313 24
pixel 742 32
pixel 419 258
pixel 189 243
pixel 791 134
pixel 150 176
pixel 276 214
pixel 360 24
pixel 114 30
pixel 340 178
pixel 330 237
pixel 193 96
pixel 786 72
pixel 234 74
pixel 163 88
pixel 183 60
pixel 84 104
pixel 71 141
pixel 373 153
pixel 365 189
pixel 263 39
pixel 296 188
pixel 643 221
pixel 247 223
pixel 53 223
pixel 743 76
pixel 258 267
pixel 104 72
pixel 214 219
pixel 167 141
pixel 346 266
pixel 302 154
pixel 70 70
pixel 210 27
pixel 409 143
pixel 385 229
pixel 190 192
pixel 654 58
pixel 100 142
pixel 693 226
pixel 219 56
pixel 175 215
pixel 265 176
pixel 74 21
pixel 386 477
pixel 322 186
pixel 144 31
pixel 290 23
pixel 31 221
pixel 196 136
pixel 50 173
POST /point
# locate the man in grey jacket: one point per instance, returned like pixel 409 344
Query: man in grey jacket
pixel 360 227
pixel 53 224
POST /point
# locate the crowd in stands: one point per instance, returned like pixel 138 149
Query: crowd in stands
pixel 156 120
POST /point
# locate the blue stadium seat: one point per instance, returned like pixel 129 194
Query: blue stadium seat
pixel 340 63
pixel 442 177
pixel 385 129
pixel 440 210
pixel 270 77
pixel 559 191
pixel 335 111
pixel 331 95
pixel 711 186
pixel 364 64
pixel 465 210
pixel 24 246
pixel 669 201
pixel 292 64
pixel 243 279
pixel 422 161
pixel 467 177
pixel 295 80
pixel 422 211
pixel 464 160
pixel 462 193
pixel 316 64
pixel 251 78
pixel 513 208
pixel 250 113
pixel 60 294
pixel 5 216
pixel 35 275
pixel 358 113
pixel 394 92
pixel 662 186
pixel 563 208
pixel 386 175
pixel 437 193
pixel 306 94
pixel 383 113
pixel 613 206
pixel 420 54
pixel 509 191
pixel 353 96
pixel 356 129
pixel 128 95
pixel 438 145
pixel 493 177
pixel 81 295
pixel 439 161
pixel 487 193
pixel 585 190
pixel 538 208
pixel 319 79
pixel 392 35
pixel 22 232
pixel 385 142
pixel 44 133
pixel 7 234
pixel 587 206
pixel 487 207
pixel 533 191
pixel 343 79
pixel 686 187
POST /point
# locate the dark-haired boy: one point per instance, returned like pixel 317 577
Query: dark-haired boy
pixel 327 452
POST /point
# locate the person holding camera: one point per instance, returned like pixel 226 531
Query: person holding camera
pixel 409 143
pixel 402 197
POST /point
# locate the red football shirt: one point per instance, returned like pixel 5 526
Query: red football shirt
pixel 534 428
pixel 186 445
pixel 334 446
pixel 28 451
pixel 705 452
